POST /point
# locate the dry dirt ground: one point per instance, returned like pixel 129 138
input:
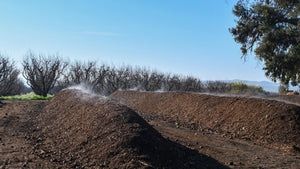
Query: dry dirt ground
pixel 239 132
pixel 79 130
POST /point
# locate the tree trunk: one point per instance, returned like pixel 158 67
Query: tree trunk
pixel 44 94
pixel 1 103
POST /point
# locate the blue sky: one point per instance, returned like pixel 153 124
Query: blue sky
pixel 175 36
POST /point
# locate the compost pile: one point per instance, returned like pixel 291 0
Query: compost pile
pixel 272 123
pixel 78 130
pixel 75 129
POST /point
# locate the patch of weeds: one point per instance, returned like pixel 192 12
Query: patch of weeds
pixel 28 96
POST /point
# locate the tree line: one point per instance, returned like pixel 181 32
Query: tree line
pixel 50 74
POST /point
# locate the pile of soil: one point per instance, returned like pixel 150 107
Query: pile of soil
pixel 79 130
pixel 269 122
pixel 76 130
pixel 17 122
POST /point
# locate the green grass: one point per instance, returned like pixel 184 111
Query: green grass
pixel 28 96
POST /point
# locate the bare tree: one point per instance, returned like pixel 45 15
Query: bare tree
pixel 18 87
pixel 83 73
pixel 125 74
pixel 218 86
pixel 113 81
pixel 155 81
pixel 191 84
pixel 9 81
pixel 102 73
pixel 173 83
pixel 106 79
pixel 144 79
pixel 42 72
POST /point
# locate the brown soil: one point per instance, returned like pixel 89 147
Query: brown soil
pixel 77 130
pixel 170 130
pixel 239 131
pixel 16 124
pixel 265 121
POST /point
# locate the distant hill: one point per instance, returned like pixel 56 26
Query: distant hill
pixel 266 85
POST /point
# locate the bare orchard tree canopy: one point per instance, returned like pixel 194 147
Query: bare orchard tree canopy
pixel 42 72
pixel 9 81
pixel 83 73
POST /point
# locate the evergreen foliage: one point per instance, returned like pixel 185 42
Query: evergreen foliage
pixel 271 29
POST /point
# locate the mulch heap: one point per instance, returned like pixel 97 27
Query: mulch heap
pixel 80 130
pixel 268 122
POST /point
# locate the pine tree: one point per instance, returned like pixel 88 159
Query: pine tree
pixel 271 29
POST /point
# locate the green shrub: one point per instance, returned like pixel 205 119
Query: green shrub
pixel 240 87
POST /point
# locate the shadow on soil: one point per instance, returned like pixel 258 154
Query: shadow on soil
pixel 194 159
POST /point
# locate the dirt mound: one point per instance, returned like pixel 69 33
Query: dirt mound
pixel 78 130
pixel 273 123
pixel 16 121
